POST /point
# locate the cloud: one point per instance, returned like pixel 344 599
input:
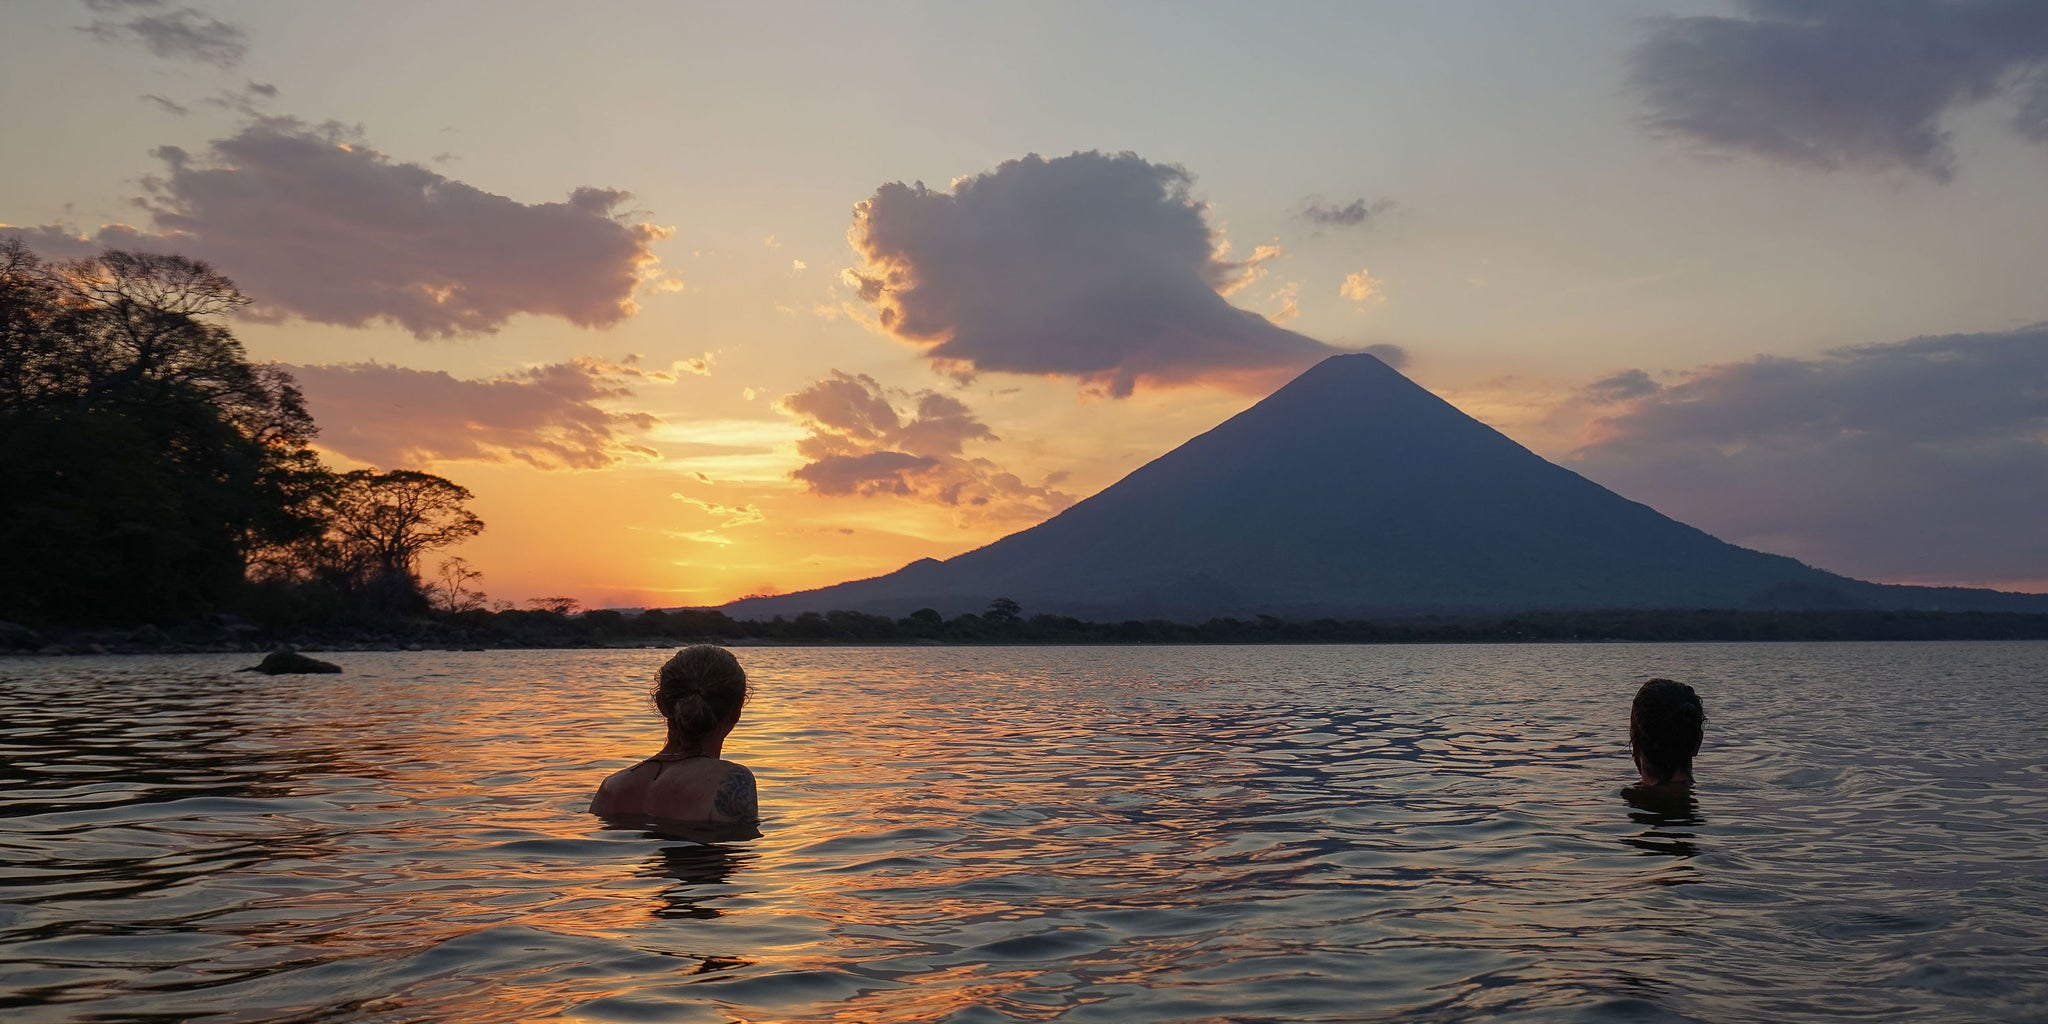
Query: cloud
pixel 249 101
pixel 55 242
pixel 2031 121
pixel 1289 297
pixel 859 443
pixel 733 515
pixel 172 34
pixel 167 105
pixel 1922 460
pixel 314 224
pixel 1362 288
pixel 1392 355
pixel 1094 266
pixel 1356 213
pixel 1842 85
pixel 554 416
pixel 1620 387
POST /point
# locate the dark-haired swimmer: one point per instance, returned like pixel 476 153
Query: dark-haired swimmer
pixel 1665 726
pixel 700 692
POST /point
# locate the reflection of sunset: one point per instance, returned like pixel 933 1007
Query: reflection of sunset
pixel 1127 833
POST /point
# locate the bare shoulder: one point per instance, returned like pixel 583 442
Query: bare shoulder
pixel 614 790
pixel 736 799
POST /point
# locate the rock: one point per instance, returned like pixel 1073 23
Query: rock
pixel 288 662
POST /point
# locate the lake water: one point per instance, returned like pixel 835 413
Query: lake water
pixel 1034 834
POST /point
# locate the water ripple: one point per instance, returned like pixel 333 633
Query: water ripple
pixel 1099 834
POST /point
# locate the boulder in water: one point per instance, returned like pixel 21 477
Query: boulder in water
pixel 289 662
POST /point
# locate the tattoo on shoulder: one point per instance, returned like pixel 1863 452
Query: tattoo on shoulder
pixel 736 799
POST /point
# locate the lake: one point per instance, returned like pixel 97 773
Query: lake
pixel 1103 834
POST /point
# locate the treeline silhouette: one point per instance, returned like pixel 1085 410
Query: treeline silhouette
pixel 555 623
pixel 151 474
pixel 1004 623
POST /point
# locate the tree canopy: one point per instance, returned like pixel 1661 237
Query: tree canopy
pixel 149 465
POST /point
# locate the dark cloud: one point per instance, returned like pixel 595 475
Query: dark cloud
pixel 1838 83
pixel 1921 460
pixel 556 416
pixel 860 443
pixel 1356 213
pixel 167 105
pixel 1093 266
pixel 1620 387
pixel 314 224
pixel 55 242
pixel 249 101
pixel 181 33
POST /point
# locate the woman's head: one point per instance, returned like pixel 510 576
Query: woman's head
pixel 1665 727
pixel 700 691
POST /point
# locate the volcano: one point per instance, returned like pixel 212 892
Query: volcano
pixel 1354 492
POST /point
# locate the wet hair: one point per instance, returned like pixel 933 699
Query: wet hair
pixel 1665 727
pixel 697 690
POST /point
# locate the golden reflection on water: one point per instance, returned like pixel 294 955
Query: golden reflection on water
pixel 1033 834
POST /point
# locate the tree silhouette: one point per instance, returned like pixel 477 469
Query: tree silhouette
pixel 379 524
pixel 453 591
pixel 145 458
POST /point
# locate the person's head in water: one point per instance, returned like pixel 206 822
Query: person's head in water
pixel 700 691
pixel 1665 726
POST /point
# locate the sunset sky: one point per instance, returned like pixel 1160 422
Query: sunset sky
pixel 711 300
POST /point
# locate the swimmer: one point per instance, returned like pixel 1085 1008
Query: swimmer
pixel 1664 732
pixel 700 692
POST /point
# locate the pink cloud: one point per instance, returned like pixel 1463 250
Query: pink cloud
pixel 556 416
pixel 314 224
pixel 860 443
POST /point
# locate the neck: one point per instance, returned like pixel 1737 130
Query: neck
pixel 1682 776
pixel 702 746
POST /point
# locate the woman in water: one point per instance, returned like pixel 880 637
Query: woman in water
pixel 1665 727
pixel 700 692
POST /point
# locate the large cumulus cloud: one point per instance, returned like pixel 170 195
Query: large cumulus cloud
pixel 1923 460
pixel 860 443
pixel 1844 83
pixel 557 416
pixel 313 223
pixel 1096 266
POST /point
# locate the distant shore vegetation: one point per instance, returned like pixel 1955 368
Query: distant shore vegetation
pixel 556 623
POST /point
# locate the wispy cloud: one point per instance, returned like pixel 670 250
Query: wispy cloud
pixel 1363 288
pixel 1357 213
pixel 172 33
pixel 732 515
pixel 557 416
pixel 165 104
pixel 858 442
